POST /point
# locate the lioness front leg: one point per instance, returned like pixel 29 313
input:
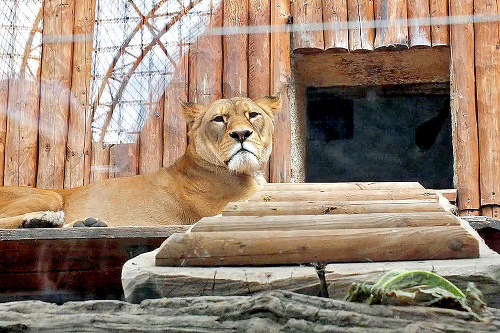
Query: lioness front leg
pixel 47 219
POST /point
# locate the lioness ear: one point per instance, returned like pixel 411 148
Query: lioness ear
pixel 192 111
pixel 270 104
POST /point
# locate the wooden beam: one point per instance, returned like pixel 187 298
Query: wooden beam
pixel 390 34
pixel 343 195
pixel 419 34
pixel 463 110
pixel 205 64
pixel 330 207
pixel 240 248
pixel 322 222
pixel 334 15
pixel 123 159
pixel 360 12
pixel 487 66
pixel 342 186
pixel 280 162
pixel 151 139
pixel 55 93
pixel 78 146
pixel 99 169
pixel 440 33
pixel 307 40
pixel 4 95
pixel 378 68
pixel 235 50
pixel 492 211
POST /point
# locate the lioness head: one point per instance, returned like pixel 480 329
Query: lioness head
pixel 235 133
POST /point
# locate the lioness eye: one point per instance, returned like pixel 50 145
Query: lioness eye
pixel 253 114
pixel 218 119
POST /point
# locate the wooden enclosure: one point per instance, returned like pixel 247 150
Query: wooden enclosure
pixel 53 147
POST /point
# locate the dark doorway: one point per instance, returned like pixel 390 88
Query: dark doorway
pixel 382 133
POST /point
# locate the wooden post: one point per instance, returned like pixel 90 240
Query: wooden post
pixel 362 37
pixel 419 16
pixel 151 139
pixel 440 33
pixel 487 61
pixel 463 110
pixel 308 40
pixel 55 92
pixel 124 159
pixel 22 132
pixel 235 46
pixel 335 12
pixel 99 169
pixel 4 94
pixel 78 146
pixel 205 64
pixel 280 81
pixel 391 35
pixel 492 211
pixel 174 124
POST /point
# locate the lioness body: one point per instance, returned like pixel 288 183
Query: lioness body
pixel 229 143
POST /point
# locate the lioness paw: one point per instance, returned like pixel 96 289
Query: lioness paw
pixel 48 219
pixel 89 223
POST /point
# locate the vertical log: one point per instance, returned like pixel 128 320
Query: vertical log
pixel 205 64
pixel 487 56
pixel 305 39
pixel 335 13
pixel 22 133
pixel 174 124
pixel 360 12
pixel 419 30
pixel 55 91
pixel 151 139
pixel 463 110
pixel 280 80
pixel 124 159
pixel 235 76
pixel 99 169
pixel 393 32
pixel 4 94
pixel 440 33
pixel 259 48
pixel 78 148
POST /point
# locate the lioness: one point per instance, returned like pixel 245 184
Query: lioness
pixel 230 141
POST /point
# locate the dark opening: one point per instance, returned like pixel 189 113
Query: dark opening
pixel 383 133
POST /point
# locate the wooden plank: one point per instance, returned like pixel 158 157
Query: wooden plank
pixel 440 33
pixel 305 39
pixel 336 33
pixel 378 68
pixel 235 50
pixel 419 30
pixel 492 211
pixel 463 110
pixel 259 51
pixel 330 207
pixel 487 66
pixel 343 195
pixel 174 124
pixel 100 162
pixel 281 72
pixel 240 248
pixel 78 145
pixel 4 94
pixel 54 93
pixel 205 64
pixel 341 186
pixel 392 33
pixel 123 160
pixel 361 37
pixel 322 222
pixel 21 147
pixel 151 139
pixel 449 194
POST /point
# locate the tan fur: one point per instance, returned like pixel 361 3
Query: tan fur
pixel 201 183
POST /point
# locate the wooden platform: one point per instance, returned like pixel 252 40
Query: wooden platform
pixel 324 223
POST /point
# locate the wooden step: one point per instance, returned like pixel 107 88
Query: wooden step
pixel 341 186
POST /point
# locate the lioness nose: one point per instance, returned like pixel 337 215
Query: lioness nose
pixel 241 136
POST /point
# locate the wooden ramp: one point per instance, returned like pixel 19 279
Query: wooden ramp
pixel 287 224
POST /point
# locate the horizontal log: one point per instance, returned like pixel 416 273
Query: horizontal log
pixel 321 222
pixel 330 207
pixel 239 248
pixel 341 186
pixel 342 195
